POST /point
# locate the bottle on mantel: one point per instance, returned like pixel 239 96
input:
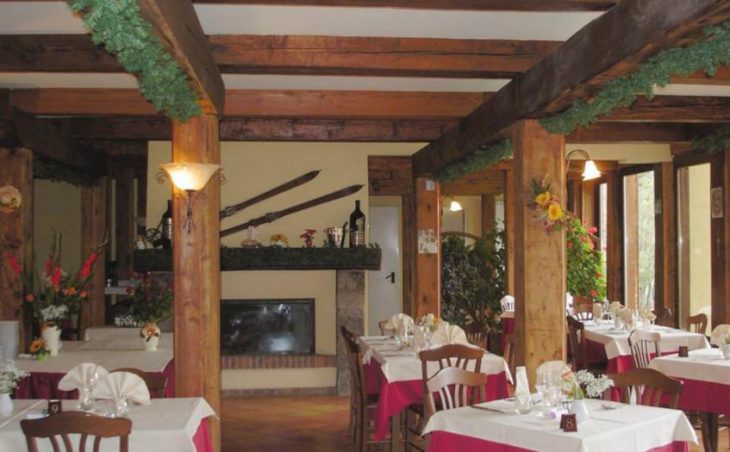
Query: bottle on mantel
pixel 166 223
pixel 357 227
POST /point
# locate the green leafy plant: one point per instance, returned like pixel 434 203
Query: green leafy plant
pixel 714 142
pixel 705 55
pixel 480 160
pixel 584 261
pixel 151 302
pixel 119 26
pixel 472 280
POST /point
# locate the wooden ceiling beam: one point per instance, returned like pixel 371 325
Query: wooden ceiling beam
pixel 177 25
pixel 261 103
pixel 612 45
pixel 683 109
pixel 312 55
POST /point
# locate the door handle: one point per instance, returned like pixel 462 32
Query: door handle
pixel 391 277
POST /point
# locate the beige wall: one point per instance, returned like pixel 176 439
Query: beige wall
pixel 252 168
pixel 700 273
pixel 57 207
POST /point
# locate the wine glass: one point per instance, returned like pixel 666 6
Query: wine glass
pixel 542 385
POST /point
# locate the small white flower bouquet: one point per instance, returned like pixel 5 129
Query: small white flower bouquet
pixel 10 375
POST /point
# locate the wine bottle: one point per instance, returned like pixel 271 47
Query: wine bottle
pixel 357 227
pixel 166 233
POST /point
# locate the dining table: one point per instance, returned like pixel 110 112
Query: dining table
pixel 606 342
pixel 706 389
pixel 110 352
pixel 393 371
pixel 610 427
pixel 178 424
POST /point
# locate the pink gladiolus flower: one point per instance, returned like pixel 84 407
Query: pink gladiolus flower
pixel 56 277
pixel 13 263
pixel 86 268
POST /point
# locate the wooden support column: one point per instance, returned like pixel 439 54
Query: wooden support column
pixel 196 272
pixel 488 213
pixel 719 177
pixel 589 209
pixel 540 281
pixel 665 239
pixel 575 196
pixel 428 263
pixel 509 236
pixel 16 229
pixel 614 241
pixel 410 251
pixel 722 313
pixel 124 227
pixel 93 229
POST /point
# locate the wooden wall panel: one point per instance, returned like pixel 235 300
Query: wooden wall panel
pixel 614 242
pixel 665 239
pixel 540 272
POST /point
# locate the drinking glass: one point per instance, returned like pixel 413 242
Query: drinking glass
pixel 121 408
pixel 542 385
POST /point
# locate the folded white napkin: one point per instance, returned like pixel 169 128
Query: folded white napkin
pixel 85 374
pixel 402 323
pixel 718 334
pixel 597 311
pixel 522 389
pixel 448 334
pixel 123 385
pixel 627 316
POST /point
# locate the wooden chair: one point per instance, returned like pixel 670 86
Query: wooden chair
pixel 579 348
pixel 651 387
pixel 455 388
pixel 452 355
pixel 582 309
pixel 697 324
pixel 361 404
pixel 643 344
pixel 665 318
pixel 509 351
pixel 76 422
pixel 156 383
pixel 477 335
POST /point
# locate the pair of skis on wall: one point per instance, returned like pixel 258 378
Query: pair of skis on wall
pixel 273 216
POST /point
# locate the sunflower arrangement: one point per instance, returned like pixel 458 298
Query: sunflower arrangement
pixel 547 206
pixel 38 349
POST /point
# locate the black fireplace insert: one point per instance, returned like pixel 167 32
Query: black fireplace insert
pixel 264 327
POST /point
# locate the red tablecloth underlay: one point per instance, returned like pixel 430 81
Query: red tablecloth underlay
pixel 451 442
pixel 705 396
pixel 201 439
pixel 396 396
pixel 44 385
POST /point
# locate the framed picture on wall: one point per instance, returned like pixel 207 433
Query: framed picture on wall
pixel 716 202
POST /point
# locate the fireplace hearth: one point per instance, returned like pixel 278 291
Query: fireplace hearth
pixel 267 327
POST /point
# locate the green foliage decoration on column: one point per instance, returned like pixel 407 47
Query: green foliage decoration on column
pixel 715 142
pixel 706 55
pixel 482 159
pixel 119 26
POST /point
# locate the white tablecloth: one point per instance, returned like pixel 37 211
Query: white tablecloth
pixel 404 365
pixel 165 425
pixel 629 428
pixel 701 365
pixel 102 353
pixel 616 341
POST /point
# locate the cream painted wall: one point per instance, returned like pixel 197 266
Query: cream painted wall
pixel 625 152
pixel 252 168
pixel 700 264
pixel 57 207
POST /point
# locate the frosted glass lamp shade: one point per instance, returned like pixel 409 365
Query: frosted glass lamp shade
pixel 590 171
pixel 455 206
pixel 190 176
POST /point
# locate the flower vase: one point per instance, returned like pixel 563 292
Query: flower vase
pixel 51 335
pixel 725 348
pixel 150 334
pixel 580 409
pixel 6 405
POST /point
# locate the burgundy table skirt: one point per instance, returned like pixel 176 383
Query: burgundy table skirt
pixel 451 442
pixel 396 396
pixel 44 385
pixel 704 396
pixel 508 326
pixel 201 439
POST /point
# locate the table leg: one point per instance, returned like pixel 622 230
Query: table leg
pixel 396 441
pixel 709 431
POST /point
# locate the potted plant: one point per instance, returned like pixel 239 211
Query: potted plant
pixel 584 262
pixel 151 302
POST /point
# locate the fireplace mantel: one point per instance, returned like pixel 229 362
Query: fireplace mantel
pixel 272 258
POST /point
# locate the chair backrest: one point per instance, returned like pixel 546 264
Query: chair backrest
pixel 452 355
pixel 582 308
pixel 477 335
pixel 156 383
pixel 358 392
pixel 61 425
pixel 455 388
pixel 697 324
pixel 508 303
pixel 643 345
pixel 665 318
pixel 650 387
pixel 576 340
pixel 508 353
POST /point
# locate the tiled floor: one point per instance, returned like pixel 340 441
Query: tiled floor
pixel 300 424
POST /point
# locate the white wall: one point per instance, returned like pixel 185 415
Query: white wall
pixel 57 208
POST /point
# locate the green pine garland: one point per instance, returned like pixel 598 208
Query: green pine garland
pixel 482 159
pixel 119 26
pixel 705 55
pixel 45 168
pixel 716 142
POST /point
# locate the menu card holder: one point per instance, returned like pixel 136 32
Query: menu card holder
pixel 568 423
pixel 683 351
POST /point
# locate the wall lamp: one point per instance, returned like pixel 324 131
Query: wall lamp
pixel 590 171
pixel 454 205
pixel 190 179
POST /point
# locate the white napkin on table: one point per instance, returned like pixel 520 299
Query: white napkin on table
pixel 449 334
pixel 402 323
pixel 81 376
pixel 123 385
pixel 597 311
pixel 522 389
